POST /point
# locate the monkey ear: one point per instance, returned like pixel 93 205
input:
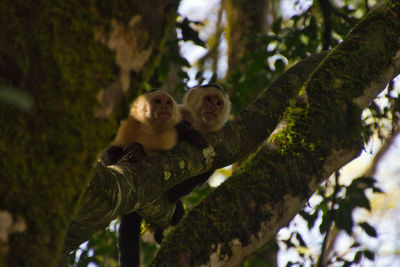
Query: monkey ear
pixel 188 134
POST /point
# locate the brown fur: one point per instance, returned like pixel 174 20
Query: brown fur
pixel 151 123
pixel 145 126
pixel 196 104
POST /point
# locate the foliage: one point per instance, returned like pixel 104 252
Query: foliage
pixel 336 208
pixel 187 33
pixel 290 41
pixel 100 249
pixel 261 67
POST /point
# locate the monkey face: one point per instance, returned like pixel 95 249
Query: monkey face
pixel 209 107
pixel 213 104
pixel 162 107
pixel 156 109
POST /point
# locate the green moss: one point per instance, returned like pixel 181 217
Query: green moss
pixel 329 98
pixel 48 154
pixel 326 118
pixel 217 228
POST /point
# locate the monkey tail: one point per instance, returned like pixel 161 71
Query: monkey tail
pixel 129 240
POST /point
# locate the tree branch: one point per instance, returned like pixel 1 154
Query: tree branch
pixel 320 135
pixel 126 187
pixel 326 8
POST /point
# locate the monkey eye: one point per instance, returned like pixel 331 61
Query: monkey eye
pixel 157 100
pixel 168 102
pixel 219 102
pixel 208 98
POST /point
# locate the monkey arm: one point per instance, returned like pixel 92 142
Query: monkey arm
pixel 188 134
pixel 174 195
pixel 187 186
pixel 133 152
pixel 111 155
pixel 129 153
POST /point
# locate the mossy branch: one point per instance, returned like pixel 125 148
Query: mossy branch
pixel 321 133
pixel 126 187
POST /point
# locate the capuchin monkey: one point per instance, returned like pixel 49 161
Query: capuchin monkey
pixel 150 126
pixel 206 108
pixel 154 124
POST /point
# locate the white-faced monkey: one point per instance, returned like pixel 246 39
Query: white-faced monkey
pixel 153 124
pixel 207 108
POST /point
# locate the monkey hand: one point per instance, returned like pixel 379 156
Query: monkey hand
pixel 111 155
pixel 133 152
pixel 188 134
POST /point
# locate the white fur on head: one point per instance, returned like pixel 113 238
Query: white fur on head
pixel 142 111
pixel 193 102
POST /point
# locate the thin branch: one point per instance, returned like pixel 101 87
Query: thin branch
pixel 340 14
pixel 326 9
pixel 330 218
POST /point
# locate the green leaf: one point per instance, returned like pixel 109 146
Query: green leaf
pixel 360 199
pixel 182 61
pixel 163 69
pixel 280 65
pixel 189 34
pixel 370 230
pixel 276 26
pixel 355 191
pixel 355 245
pixel 369 254
pixel 324 225
pixel 310 218
pixel 343 216
pixel 357 257
pixel 301 240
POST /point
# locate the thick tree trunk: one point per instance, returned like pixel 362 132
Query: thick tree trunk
pixel 62 55
pixel 244 19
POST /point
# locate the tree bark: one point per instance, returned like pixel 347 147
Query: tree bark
pixel 319 135
pixel 62 54
pixel 125 187
pixel 244 19
pixel 44 172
